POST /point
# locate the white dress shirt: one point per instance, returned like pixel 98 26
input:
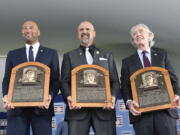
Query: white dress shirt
pixel 35 50
pixel 148 54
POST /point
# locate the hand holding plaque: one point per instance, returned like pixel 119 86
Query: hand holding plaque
pixel 133 108
pixel 6 104
pixel 46 103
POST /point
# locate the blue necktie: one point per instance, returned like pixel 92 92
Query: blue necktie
pixel 145 59
pixel 31 57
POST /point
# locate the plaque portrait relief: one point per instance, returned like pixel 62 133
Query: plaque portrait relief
pixel 29 84
pixel 90 77
pixel 150 80
pixel 91 86
pixel 152 89
pixel 29 75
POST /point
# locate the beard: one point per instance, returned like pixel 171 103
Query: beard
pixel 85 41
pixel 85 38
pixel 30 38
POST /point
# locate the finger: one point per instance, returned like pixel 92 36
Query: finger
pixel 135 104
pixel 135 112
pixel 69 98
pixel 70 106
pixel 10 106
pixel 133 109
pixel 49 98
pixel 46 106
pixel 5 106
pixel 77 107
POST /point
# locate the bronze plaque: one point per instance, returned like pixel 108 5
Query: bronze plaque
pixel 152 89
pixel 90 86
pixel 29 84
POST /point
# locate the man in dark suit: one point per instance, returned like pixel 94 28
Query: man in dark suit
pixel 80 119
pixel 162 122
pixel 40 118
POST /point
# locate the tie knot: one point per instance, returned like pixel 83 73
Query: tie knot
pixel 87 49
pixel 144 52
pixel 31 47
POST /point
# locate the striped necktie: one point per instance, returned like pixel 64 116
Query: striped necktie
pixel 145 59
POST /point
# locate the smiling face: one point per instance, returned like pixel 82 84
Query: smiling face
pixel 30 32
pixel 86 33
pixel 141 37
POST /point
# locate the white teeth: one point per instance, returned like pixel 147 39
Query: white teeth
pixel 85 36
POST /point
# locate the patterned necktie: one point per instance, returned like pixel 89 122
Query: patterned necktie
pixel 145 59
pixel 31 57
pixel 89 57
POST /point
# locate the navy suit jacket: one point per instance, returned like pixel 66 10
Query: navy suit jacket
pixel 131 64
pixel 46 56
pixel 76 58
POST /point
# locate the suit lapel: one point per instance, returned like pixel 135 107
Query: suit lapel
pixel 154 59
pixel 96 56
pixel 23 55
pixel 40 53
pixel 137 61
pixel 81 56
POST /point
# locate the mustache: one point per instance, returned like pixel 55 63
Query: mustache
pixel 85 34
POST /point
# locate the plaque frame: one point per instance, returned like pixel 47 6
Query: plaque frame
pixel 12 83
pixel 167 83
pixel 108 101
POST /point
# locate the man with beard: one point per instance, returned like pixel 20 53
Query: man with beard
pixel 80 119
pixel 40 118
pixel 161 122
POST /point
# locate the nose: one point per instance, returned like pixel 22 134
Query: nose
pixel 27 30
pixel 137 33
pixel 84 31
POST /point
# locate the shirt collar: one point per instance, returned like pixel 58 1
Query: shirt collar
pixel 139 51
pixel 91 47
pixel 35 46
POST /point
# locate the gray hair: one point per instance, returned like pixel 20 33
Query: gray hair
pixel 151 42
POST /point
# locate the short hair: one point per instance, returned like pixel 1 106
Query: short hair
pixel 151 42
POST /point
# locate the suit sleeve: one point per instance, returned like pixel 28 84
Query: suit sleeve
pixel 125 82
pixel 173 77
pixel 55 75
pixel 66 77
pixel 114 79
pixel 6 79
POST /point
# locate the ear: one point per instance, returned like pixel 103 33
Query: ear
pixel 151 36
pixel 94 34
pixel 39 33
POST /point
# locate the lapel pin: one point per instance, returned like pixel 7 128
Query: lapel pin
pixel 41 50
pixel 155 54
pixel 80 53
pixel 97 52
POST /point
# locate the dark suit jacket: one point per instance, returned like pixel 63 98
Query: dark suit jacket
pixel 46 56
pixel 131 64
pixel 76 58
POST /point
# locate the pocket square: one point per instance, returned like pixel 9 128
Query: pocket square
pixel 102 58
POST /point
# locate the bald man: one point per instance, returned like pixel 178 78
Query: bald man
pixel 40 118
pixel 80 119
